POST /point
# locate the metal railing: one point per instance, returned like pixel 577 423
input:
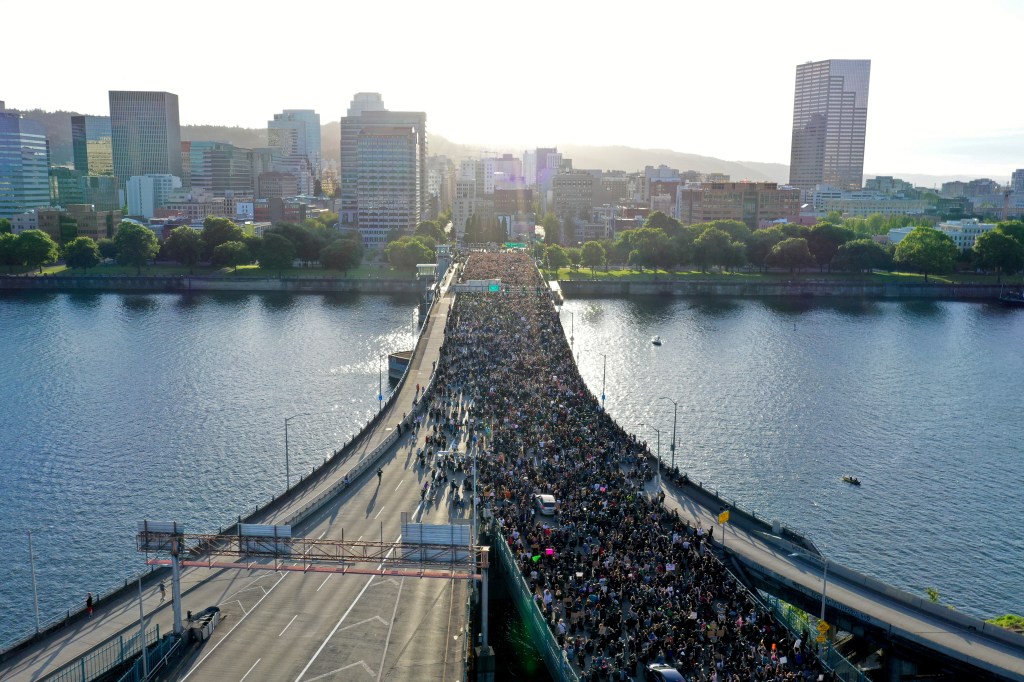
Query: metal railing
pixel 104 658
pixel 558 666
pixel 156 657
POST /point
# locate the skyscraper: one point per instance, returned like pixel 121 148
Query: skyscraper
pixel 296 134
pixel 145 134
pixel 367 109
pixel 91 145
pixel 830 111
pixel 24 165
pixel 388 190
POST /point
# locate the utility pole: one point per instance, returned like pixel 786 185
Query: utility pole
pixel 675 414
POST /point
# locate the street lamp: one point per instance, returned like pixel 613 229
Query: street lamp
pixel 604 374
pixel 380 383
pixel 287 468
pixel 35 591
pixel 572 329
pixel 824 579
pixel 675 414
pixel 657 431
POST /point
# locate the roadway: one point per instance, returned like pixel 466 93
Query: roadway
pixel 922 628
pixel 311 626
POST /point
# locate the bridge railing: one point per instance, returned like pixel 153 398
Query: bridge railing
pixel 106 657
pixel 156 657
pixel 558 666
pixel 799 623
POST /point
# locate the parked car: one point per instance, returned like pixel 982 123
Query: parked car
pixel 546 504
pixel 660 672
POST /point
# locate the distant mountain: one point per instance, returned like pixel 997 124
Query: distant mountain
pixel 246 138
pixel 58 131
pixel 631 159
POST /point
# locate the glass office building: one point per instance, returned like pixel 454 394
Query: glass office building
pixel 24 165
pixel 145 134
pixel 91 144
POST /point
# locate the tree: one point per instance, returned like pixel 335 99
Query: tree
pixel 184 245
pixel 552 228
pixel 575 257
pixel 761 244
pixel 593 254
pixel 429 228
pixel 1012 228
pixel 5 226
pixel 342 254
pixel 231 254
pixel 824 241
pixel 736 229
pixel 927 250
pixel 81 252
pixel 998 251
pixel 9 251
pixel 666 223
pixel 135 245
pixel 277 252
pixel 405 253
pixel 67 228
pixel 307 238
pixel 555 257
pixel 217 231
pixel 861 255
pixel 35 249
pixel 791 253
pixel 716 247
pixel 108 249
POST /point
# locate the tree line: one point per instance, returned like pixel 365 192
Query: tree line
pixel 663 243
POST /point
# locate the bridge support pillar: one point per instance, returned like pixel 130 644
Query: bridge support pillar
pixel 897 668
pixel 485 664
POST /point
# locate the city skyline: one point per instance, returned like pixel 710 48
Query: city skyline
pixel 690 79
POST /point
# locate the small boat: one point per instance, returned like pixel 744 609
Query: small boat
pixel 852 480
pixel 656 340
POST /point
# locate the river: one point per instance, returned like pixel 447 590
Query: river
pixel 120 407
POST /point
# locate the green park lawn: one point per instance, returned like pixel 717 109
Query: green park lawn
pixel 165 270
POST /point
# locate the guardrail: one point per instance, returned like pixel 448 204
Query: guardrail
pixel 558 666
pixel 156 658
pixel 104 658
pixel 798 623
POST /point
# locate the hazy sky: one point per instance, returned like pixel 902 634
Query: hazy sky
pixel 712 78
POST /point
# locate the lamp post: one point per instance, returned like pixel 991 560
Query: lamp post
pixel 380 383
pixel 572 329
pixel 604 374
pixel 675 414
pixel 657 431
pixel 287 467
pixel 35 591
pixel 824 581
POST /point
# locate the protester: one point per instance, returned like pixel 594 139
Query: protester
pixel 622 581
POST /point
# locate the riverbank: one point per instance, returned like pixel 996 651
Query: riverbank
pixel 796 288
pixel 186 283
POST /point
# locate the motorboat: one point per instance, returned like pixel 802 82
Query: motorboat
pixel 852 480
pixel 656 340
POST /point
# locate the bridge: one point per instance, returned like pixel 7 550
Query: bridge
pixel 282 621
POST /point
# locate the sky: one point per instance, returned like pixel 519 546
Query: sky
pixel 710 78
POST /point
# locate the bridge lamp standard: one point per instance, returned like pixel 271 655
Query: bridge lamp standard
pixel 287 466
pixel 675 414
pixel 380 383
pixel 657 431
pixel 604 374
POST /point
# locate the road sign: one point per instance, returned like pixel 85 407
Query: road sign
pixel 821 638
pixel 822 626
pixel 724 516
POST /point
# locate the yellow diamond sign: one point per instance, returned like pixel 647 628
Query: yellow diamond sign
pixel 724 516
pixel 822 626
pixel 821 637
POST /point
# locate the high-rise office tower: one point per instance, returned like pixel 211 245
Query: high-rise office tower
pixel 221 168
pixel 830 111
pixel 91 144
pixel 145 134
pixel 367 109
pixel 296 132
pixel 388 185
pixel 24 165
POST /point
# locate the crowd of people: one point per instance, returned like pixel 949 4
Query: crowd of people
pixel 622 581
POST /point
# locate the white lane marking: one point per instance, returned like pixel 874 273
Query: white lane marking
pixel 379 513
pixel 321 536
pixel 350 665
pixel 250 669
pixel 362 622
pixel 399 485
pixel 289 624
pixel 359 538
pixel 341 620
pixel 387 641
pixel 325 581
pixel 214 647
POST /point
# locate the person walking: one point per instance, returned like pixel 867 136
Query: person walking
pixel 380 475
pixel 88 604
pixel 163 591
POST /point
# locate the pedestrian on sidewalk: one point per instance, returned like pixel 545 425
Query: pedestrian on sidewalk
pixel 88 604
pixel 163 591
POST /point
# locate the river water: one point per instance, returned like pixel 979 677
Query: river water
pixel 123 407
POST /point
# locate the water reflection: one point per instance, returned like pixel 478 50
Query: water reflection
pixel 139 303
pixel 85 299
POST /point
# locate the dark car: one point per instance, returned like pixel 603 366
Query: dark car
pixel 660 672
